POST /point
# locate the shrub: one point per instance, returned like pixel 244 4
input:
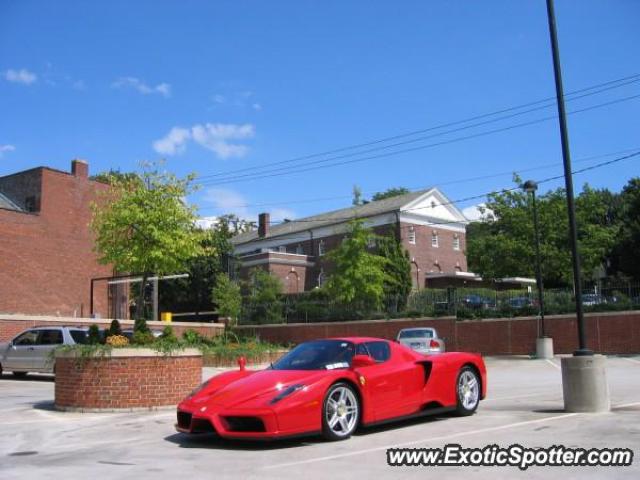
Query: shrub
pixel 142 338
pixel 140 325
pixel 94 337
pixel 114 328
pixel 117 341
pixel 191 337
pixel 168 334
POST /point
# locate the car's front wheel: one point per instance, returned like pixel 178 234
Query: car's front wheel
pixel 467 391
pixel 340 412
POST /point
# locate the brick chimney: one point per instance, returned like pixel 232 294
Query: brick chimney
pixel 263 224
pixel 80 168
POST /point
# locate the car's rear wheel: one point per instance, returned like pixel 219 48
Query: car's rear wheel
pixel 19 374
pixel 340 412
pixel 467 391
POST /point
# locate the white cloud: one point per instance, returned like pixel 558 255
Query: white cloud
pixel 217 98
pixel 474 214
pixel 174 142
pixel 256 106
pixel 228 201
pixel 6 148
pixel 216 137
pixel 21 76
pixel 163 89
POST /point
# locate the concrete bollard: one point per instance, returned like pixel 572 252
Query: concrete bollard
pixel 544 348
pixel 584 384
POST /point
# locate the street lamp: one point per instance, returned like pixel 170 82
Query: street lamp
pixel 544 345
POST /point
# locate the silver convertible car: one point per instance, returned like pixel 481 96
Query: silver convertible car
pixel 31 350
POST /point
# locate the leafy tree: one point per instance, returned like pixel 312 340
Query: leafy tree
pixel 264 297
pixel 358 276
pixel 226 294
pixel 114 176
pixel 397 284
pixel 143 226
pixel 357 196
pixel 389 193
pixel 502 245
pixel 625 258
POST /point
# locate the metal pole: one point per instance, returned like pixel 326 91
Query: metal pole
pixel 91 299
pixel 538 264
pixel 566 158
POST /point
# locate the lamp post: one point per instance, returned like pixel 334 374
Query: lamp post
pixel 584 381
pixel 544 344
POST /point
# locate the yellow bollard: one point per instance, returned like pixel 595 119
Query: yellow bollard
pixel 166 317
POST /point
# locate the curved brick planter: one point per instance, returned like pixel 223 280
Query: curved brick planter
pixel 127 379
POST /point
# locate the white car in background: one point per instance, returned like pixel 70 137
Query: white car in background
pixel 422 340
pixel 31 350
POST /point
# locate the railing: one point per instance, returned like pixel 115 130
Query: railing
pixel 464 303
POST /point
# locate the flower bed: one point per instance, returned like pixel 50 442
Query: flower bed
pixel 229 358
pixel 124 378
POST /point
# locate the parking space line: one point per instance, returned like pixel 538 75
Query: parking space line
pixel 632 360
pixel 550 362
pixel 424 440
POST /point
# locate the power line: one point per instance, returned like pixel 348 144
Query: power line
pixel 450 182
pixel 475 197
pixel 607 86
pixel 278 172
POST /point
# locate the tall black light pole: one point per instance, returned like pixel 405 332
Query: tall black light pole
pixel 566 158
pixel 530 187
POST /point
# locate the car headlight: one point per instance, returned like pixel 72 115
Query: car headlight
pixel 286 392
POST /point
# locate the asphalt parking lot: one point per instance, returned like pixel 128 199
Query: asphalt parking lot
pixel 524 406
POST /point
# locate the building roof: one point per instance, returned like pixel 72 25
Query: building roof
pixel 7 204
pixel 334 217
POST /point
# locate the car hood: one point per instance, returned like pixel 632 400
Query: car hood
pixel 264 383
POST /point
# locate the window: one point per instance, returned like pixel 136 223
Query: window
pixel 79 336
pixel 456 242
pixel 434 239
pixel 50 337
pixel 27 338
pixel 282 249
pixel 412 235
pixel 321 278
pixel 379 351
pixel 299 250
pixel 321 248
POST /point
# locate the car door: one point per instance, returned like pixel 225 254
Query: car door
pixel 20 353
pixel 48 340
pixel 394 384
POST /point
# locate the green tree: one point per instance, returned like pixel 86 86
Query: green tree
pixel 389 193
pixel 358 276
pixel 227 296
pixel 625 258
pixel 114 328
pixel 193 294
pixel 263 300
pixel 397 284
pixel 502 245
pixel 357 196
pixel 144 226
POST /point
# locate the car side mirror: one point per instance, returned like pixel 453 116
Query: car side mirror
pixel 359 361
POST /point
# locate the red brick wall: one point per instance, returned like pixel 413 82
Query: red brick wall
pixel 448 260
pixel 11 325
pixel 46 258
pixel 612 332
pixel 125 382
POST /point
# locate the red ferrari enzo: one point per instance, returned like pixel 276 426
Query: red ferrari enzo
pixel 331 387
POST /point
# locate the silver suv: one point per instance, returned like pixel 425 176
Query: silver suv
pixel 30 351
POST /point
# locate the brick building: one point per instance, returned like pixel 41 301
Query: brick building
pixel 46 257
pixel 427 224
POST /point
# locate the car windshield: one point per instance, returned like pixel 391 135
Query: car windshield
pixel 317 355
pixel 416 334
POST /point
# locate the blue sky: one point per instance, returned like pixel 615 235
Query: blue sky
pixel 217 86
